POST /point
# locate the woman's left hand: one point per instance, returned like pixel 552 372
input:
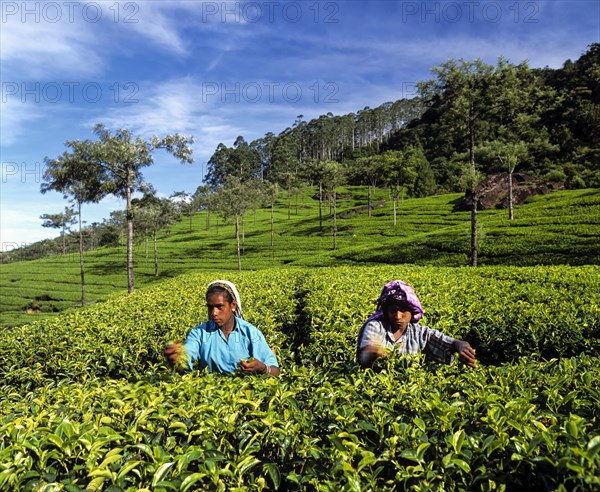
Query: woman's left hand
pixel 253 365
pixel 466 353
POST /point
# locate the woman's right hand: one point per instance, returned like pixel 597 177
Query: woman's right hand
pixel 175 355
pixel 376 350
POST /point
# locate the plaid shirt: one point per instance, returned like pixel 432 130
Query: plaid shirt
pixel 432 343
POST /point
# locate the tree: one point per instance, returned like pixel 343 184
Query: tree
pixel 62 221
pixel 188 204
pixel 154 214
pixel 234 199
pixel 400 173
pixel 243 161
pixel 334 176
pixel 122 158
pixel 462 95
pixel 264 150
pixel 508 154
pixel 79 176
pixel 314 172
pixel 425 185
pixel 204 198
pixel 372 169
pixel 217 166
pixel 270 191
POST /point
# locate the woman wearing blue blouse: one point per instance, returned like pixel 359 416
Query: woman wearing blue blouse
pixel 226 341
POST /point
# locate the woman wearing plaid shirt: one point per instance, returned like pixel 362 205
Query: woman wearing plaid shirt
pixel 394 327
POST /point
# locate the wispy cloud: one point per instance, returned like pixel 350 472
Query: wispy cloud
pixel 45 50
pixel 158 23
pixel 15 117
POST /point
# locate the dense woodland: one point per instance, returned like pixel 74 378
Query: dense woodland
pixel 469 121
pixel 552 114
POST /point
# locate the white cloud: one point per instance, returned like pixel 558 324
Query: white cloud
pixel 21 225
pixel 46 50
pixel 15 116
pixel 173 107
pixel 156 22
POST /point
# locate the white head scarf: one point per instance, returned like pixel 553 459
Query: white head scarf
pixel 229 287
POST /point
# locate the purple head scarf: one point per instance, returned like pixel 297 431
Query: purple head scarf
pixel 399 291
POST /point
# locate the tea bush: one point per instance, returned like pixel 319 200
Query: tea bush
pixel 88 403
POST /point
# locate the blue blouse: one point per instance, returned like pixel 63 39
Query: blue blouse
pixel 206 345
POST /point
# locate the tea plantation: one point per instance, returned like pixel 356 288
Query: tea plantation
pixel 561 228
pixel 88 404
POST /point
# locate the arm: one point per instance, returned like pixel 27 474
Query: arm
pixel 181 355
pixel 264 360
pixel 255 365
pixel 369 354
pixel 176 356
pixel 371 344
pixel 442 348
pixel 466 353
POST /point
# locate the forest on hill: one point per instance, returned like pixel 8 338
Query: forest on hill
pixel 548 118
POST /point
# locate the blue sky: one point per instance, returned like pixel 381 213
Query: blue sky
pixel 219 69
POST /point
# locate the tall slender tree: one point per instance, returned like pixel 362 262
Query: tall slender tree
pixel 335 175
pixel 204 198
pixel 78 175
pixel 461 93
pixel 400 173
pixel 234 199
pixel 122 158
pixel 63 221
pixel 154 214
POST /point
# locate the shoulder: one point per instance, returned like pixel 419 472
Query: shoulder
pixel 202 328
pixel 377 323
pixel 372 326
pixel 428 332
pixel 416 329
pixel 246 326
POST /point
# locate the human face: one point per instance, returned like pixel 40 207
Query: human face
pixel 398 315
pixel 220 310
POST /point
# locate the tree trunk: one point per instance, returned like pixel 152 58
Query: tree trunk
pixel 320 206
pixel 334 221
pixel 237 239
pixel 474 187
pixel 81 269
pixel 369 200
pixel 395 200
pixel 155 255
pixel 130 276
pixel 511 215
pixel 243 235
pixel 272 227
pixel 207 218
pixel 474 231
